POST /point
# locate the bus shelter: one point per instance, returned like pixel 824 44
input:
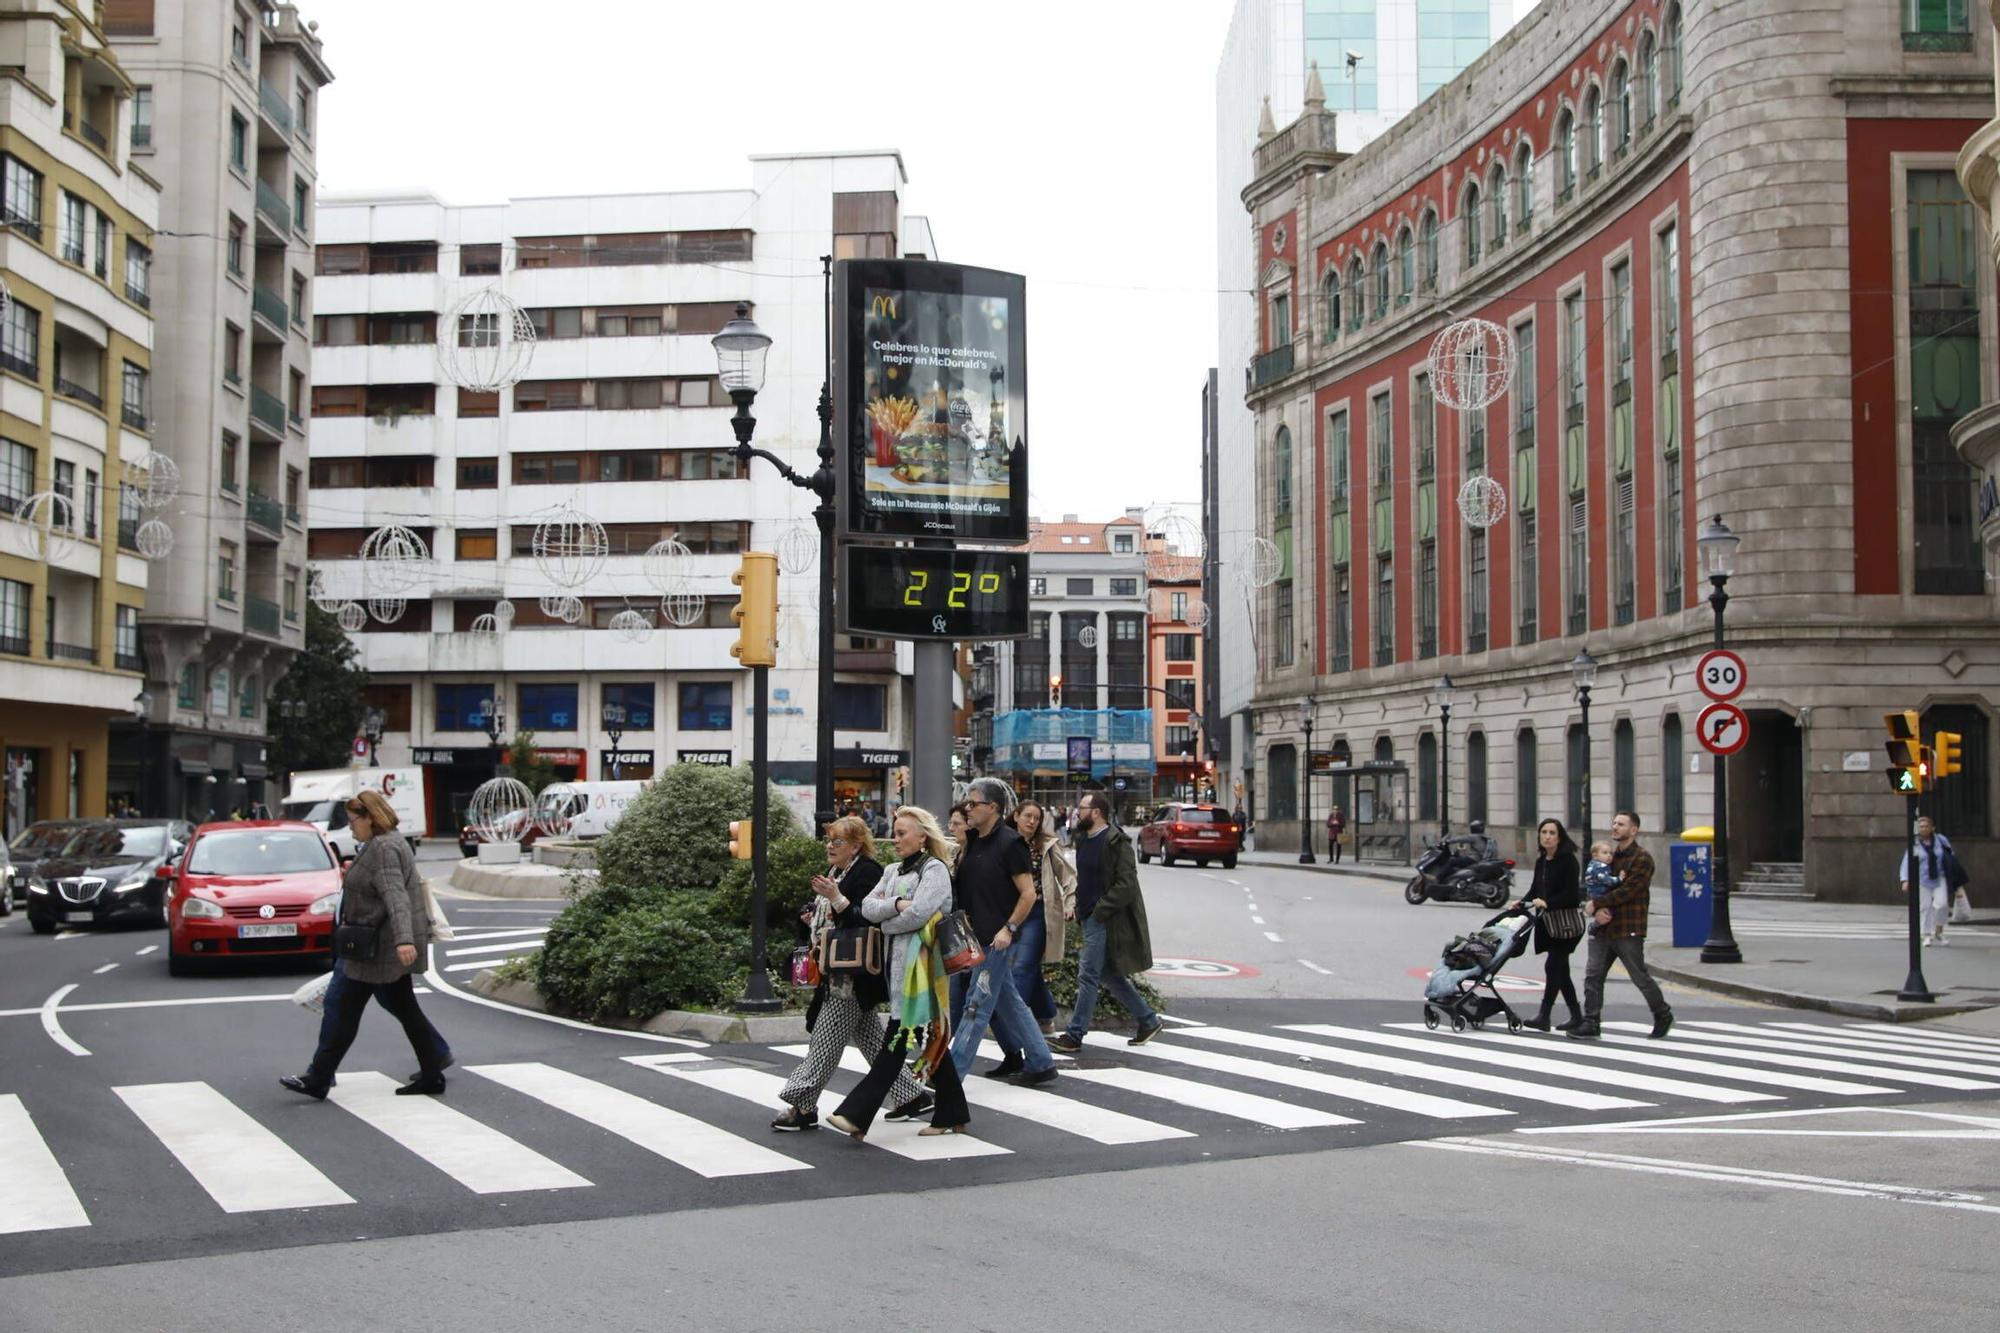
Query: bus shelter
pixel 1376 796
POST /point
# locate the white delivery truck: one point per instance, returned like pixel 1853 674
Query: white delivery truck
pixel 320 797
pixel 584 809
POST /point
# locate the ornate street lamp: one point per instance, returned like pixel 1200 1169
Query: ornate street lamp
pixel 1443 693
pixel 493 709
pixel 614 727
pixel 1583 671
pixel 1717 545
pixel 1306 788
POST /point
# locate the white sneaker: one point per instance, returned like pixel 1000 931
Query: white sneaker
pixel 1941 940
pixel 1929 940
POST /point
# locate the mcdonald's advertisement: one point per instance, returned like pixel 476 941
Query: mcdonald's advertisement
pixel 933 401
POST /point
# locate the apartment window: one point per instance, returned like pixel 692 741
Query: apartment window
pixel 1671 541
pixel 1427 776
pixel 128 517
pixel 93 500
pixel 1427 599
pixel 547 706
pixel 302 110
pixel 1127 588
pixel 295 394
pixel 14 617
pixel 72 225
pixel 17 475
pixel 1526 781
pixel 1427 249
pixel 138 272
pixel 1668 296
pixel 479 259
pixel 1357 303
pixel 239 40
pixel 301 196
pixel 1621 110
pixel 1343 618
pixel 1337 446
pixel 1524 187
pixel 1179 693
pixel 1621 324
pixel 136 396
pixel 1281 473
pixel 1406 266
pixel 336 260
pixel 1496 206
pixel 705 705
pixel 1468 217
pixel 473 403
pixel 460 706
pixel 232 354
pixel 1624 554
pixel 225 571
pixel 246 697
pixel 1281 320
pixel 1423 423
pixel 860 707
pixel 1382 445
pixel 1329 291
pixel 339 330
pixel 1578 573
pixel 1593 133
pixel 1385 611
pixel 336 473
pixel 1624 767
pixel 477 544
pixel 1575 357
pixel 1080 587
pixel 230 467
pixel 1944 335
pixel 21 197
pixel 102 264
pixel 1180 647
pixel 125 634
pixel 294 485
pixel 635 698
pixel 142 116
pixel 1121 543
pixel 1179 740
pixel 1475 591
pixel 1673 778
pixel 299 299
pixel 289 594
pixel 64 485
pixel 1179 603
pixel 622 394
pixel 239 142
pixel 187 691
pixel 1284 630
pixel 1381 302
pixel 233 248
pixel 21 339
pixel 557 322
pixel 1038 586
pixel 1670 56
pixel 1936 25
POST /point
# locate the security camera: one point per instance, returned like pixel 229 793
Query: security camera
pixel 1354 58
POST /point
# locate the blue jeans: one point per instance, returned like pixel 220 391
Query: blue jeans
pixel 990 998
pixel 1025 954
pixel 1090 974
pixel 330 1013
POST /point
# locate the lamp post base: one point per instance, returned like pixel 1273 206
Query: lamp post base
pixel 746 1004
pixel 1307 858
pixel 1721 951
pixel 1916 990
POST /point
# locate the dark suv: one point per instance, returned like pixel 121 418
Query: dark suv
pixel 1200 832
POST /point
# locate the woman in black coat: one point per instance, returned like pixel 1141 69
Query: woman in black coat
pixel 1557 890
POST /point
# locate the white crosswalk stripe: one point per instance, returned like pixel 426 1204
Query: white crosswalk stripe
pixel 511 946
pixel 1928 1033
pixel 482 1159
pixel 1973 1057
pixel 1610 1051
pixel 694 1144
pixel 243 1166
pixel 37 1195
pixel 1751 1044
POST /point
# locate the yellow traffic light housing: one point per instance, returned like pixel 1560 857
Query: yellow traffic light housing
pixel 1947 754
pixel 756 613
pixel 742 838
pixel 1908 766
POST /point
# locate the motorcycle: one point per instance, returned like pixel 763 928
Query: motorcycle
pixel 1452 871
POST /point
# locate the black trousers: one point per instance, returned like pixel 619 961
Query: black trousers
pixel 348 1001
pixel 1556 970
pixel 947 1093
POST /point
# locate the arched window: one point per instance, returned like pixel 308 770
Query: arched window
pixel 1673 795
pixel 1281 474
pixel 1527 799
pixel 1381 279
pixel 1497 205
pixel 1356 292
pixel 1624 767
pixel 1593 132
pixel 1565 156
pixel 1329 290
pixel 1468 217
pixel 1385 749
pixel 1621 110
pixel 1406 266
pixel 1649 78
pixel 1427 776
pixel 1475 776
pixel 1670 58
pixel 1524 187
pixel 1427 248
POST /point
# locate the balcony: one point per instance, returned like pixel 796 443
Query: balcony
pixel 16 644
pixel 69 389
pixel 94 136
pixel 270 310
pixel 134 415
pixel 272 209
pixel 260 617
pixel 142 136
pixel 263 512
pixel 9 361
pixel 138 296
pixel 271 104
pixel 71 652
pixel 1271 366
pixel 268 411
pixel 130 662
pixel 1937 43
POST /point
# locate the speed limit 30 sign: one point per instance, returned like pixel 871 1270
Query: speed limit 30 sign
pixel 1721 675
pixel 1722 728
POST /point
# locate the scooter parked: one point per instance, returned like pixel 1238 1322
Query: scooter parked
pixel 1459 870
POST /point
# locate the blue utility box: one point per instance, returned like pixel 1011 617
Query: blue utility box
pixel 1693 881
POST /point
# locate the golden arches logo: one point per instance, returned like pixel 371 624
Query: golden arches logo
pixel 884 306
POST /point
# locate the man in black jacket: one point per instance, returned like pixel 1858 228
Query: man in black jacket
pixel 1116 943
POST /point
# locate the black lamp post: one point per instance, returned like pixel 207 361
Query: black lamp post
pixel 1583 670
pixel 142 713
pixel 614 727
pixel 372 722
pixel 1306 789
pixel 1444 692
pixel 494 709
pixel 1717 545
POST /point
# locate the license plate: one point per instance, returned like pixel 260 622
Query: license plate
pixel 76 918
pixel 263 932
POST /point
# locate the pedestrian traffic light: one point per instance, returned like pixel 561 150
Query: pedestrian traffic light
pixel 756 613
pixel 742 838
pixel 1907 756
pixel 1947 754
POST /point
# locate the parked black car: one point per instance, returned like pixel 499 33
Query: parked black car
pixel 34 844
pixel 111 870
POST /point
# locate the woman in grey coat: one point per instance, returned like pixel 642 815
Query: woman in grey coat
pixel 381 889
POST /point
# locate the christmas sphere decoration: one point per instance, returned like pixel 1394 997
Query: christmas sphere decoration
pixel 682 609
pixel 1175 547
pixel 665 564
pixel 569 547
pixel 503 612
pixel 552 810
pixel 155 541
pixel 798 548
pixel 1482 501
pixel 156 478
pixel 1198 615
pixel 317 591
pixel 45 526
pixel 1263 562
pixel 387 610
pixel 484 627
pixel 500 809
pixel 393 560
pixel 353 617
pixel 485 342
pixel 1087 636
pixel 1471 363
pixel 569 609
pixel 631 626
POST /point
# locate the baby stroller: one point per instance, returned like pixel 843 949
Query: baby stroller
pixel 1470 963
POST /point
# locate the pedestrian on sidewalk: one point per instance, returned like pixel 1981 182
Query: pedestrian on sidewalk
pixel 1560 927
pixel 907 904
pixel 1042 938
pixel 1621 933
pixel 956 822
pixel 843 1009
pixel 381 889
pixel 1116 943
pixel 1935 860
pixel 1336 824
pixel 993 883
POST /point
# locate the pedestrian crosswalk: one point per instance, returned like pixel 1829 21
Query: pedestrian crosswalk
pixel 472 950
pixel 516 1128
pixel 1883 929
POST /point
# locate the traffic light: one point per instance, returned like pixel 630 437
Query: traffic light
pixel 742 838
pixel 1947 754
pixel 756 612
pixel 1908 758
pixel 1055 691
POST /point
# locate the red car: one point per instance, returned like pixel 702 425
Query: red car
pixel 1200 832
pixel 257 888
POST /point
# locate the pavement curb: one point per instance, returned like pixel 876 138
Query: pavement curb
pixel 1741 990
pixel 526 880
pixel 721 1029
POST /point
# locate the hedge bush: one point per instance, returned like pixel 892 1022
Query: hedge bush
pixel 676 835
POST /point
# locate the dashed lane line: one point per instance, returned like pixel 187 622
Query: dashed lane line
pixel 1314 967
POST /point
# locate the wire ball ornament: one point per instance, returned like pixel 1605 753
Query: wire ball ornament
pixel 553 817
pixel 393 560
pixel 1482 501
pixel 500 809
pixel 683 609
pixel 1087 636
pixel 1175 547
pixel 317 591
pixel 1471 363
pixel 631 626
pixel 1198 615
pixel 559 606
pixel 1263 562
pixel 503 613
pixel 665 564
pixel 387 610
pixel 798 548
pixel 353 617
pixel 155 541
pixel 485 342
pixel 569 547
pixel 45 526
pixel 155 478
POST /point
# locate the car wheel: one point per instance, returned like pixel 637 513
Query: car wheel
pixel 1167 856
pixel 1414 892
pixel 1145 857
pixel 1229 863
pixel 179 965
pixel 6 901
pixel 468 850
pixel 42 925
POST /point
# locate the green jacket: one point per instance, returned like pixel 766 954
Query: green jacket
pixel 1128 945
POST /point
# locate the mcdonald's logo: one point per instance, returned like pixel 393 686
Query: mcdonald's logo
pixel 885 306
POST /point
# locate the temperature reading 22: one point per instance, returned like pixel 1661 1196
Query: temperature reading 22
pixel 961 584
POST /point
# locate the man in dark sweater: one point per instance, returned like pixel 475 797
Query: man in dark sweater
pixel 1116 943
pixel 1618 930
pixel 992 885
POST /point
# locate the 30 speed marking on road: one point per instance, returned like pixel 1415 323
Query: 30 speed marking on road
pixel 1722 728
pixel 1721 675
pixel 1203 969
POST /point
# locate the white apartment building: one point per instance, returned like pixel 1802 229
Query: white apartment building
pixel 225 108
pixel 620 417
pixel 77 221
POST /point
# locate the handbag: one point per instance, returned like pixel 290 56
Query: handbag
pixel 1961 908
pixel 1563 923
pixel 1954 873
pixel 850 950
pixel 959 944
pixel 357 944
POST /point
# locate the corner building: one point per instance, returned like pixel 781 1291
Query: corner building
pixel 1745 283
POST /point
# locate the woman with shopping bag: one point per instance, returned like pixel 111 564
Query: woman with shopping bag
pixel 1937 874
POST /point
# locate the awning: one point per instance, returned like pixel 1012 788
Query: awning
pixel 256 772
pixel 194 768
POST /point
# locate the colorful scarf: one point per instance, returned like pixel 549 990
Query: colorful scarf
pixel 926 1003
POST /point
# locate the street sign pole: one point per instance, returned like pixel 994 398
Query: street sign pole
pixel 1915 989
pixel 930 730
pixel 758 997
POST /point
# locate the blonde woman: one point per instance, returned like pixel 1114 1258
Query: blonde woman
pixel 913 894
pixel 381 889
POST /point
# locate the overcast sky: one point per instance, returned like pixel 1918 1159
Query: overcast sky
pixel 1070 141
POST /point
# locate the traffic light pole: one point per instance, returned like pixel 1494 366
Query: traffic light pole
pixel 757 996
pixel 1915 989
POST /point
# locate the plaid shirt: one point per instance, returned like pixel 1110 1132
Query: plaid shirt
pixel 1628 902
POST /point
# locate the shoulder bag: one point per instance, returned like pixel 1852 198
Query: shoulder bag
pixel 1563 923
pixel 357 944
pixel 959 943
pixel 1954 874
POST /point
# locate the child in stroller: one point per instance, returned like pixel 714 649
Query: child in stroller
pixel 1470 962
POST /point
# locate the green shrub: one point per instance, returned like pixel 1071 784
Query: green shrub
pixel 787 888
pixel 636 961
pixel 676 835
pixel 1062 983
